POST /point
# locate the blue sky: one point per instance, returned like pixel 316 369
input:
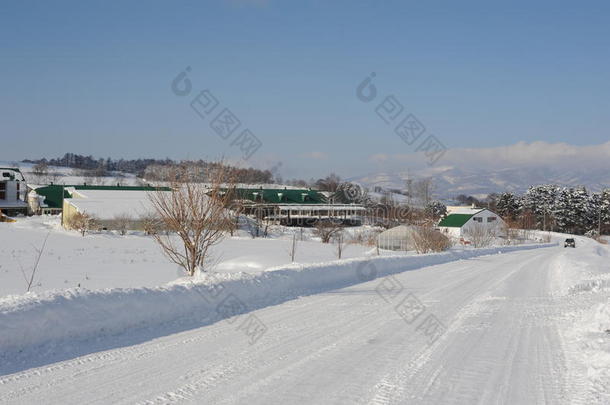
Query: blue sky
pixel 95 77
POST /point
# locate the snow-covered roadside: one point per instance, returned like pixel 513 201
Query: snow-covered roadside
pixel 582 277
pixel 592 335
pixel 59 317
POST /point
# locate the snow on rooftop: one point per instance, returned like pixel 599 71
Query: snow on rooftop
pixel 112 194
pixel 108 204
pixel 463 210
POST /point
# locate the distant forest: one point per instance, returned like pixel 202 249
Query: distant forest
pixel 151 169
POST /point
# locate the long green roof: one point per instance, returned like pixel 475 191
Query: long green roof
pixel 280 196
pixel 54 194
pixel 455 220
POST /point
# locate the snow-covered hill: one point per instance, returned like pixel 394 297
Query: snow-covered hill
pixel 70 176
pixel 451 181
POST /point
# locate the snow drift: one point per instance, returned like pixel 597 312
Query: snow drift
pixel 58 317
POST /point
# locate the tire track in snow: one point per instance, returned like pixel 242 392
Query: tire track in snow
pixel 413 375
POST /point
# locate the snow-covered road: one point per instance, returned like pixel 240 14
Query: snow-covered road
pixel 502 343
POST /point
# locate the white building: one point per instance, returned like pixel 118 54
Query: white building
pixel 295 214
pixel 13 191
pixel 463 220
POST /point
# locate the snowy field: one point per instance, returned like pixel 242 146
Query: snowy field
pixel 107 260
pixel 110 320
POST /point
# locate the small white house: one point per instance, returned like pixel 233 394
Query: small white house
pixel 460 222
pixel 13 191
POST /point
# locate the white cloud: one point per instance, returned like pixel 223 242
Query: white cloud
pixel 315 155
pixel 522 154
pixel 379 158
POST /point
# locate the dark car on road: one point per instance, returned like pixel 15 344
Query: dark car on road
pixel 570 242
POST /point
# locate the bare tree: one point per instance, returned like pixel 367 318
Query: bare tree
pixel 196 214
pixel 29 280
pixel 235 211
pixel 82 222
pixel 424 189
pixel 40 172
pixel 40 169
pixel 480 235
pixel 329 183
pixel 340 243
pixel 151 223
pixel 427 239
pixel 43 174
pixel 121 223
pixel 327 229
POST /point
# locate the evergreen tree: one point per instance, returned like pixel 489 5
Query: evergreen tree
pixel 540 200
pixel 594 212
pixel 435 209
pixel 508 206
pixel 571 210
pixel 599 211
pixel 605 209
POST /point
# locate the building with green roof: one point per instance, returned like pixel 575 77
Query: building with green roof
pixel 295 206
pixel 462 222
pixel 51 198
pixel 279 195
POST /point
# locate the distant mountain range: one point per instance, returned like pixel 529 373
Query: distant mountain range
pixel 450 182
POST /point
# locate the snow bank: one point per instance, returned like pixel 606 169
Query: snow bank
pixel 581 270
pixel 57 317
pixel 591 335
pixel 584 274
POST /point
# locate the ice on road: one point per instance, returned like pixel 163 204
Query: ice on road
pixel 502 343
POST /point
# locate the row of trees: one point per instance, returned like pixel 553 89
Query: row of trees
pixel 76 161
pixel 199 173
pixel 149 169
pixel 555 208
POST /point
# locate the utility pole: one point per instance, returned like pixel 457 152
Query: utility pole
pixel 544 218
pixel 409 184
